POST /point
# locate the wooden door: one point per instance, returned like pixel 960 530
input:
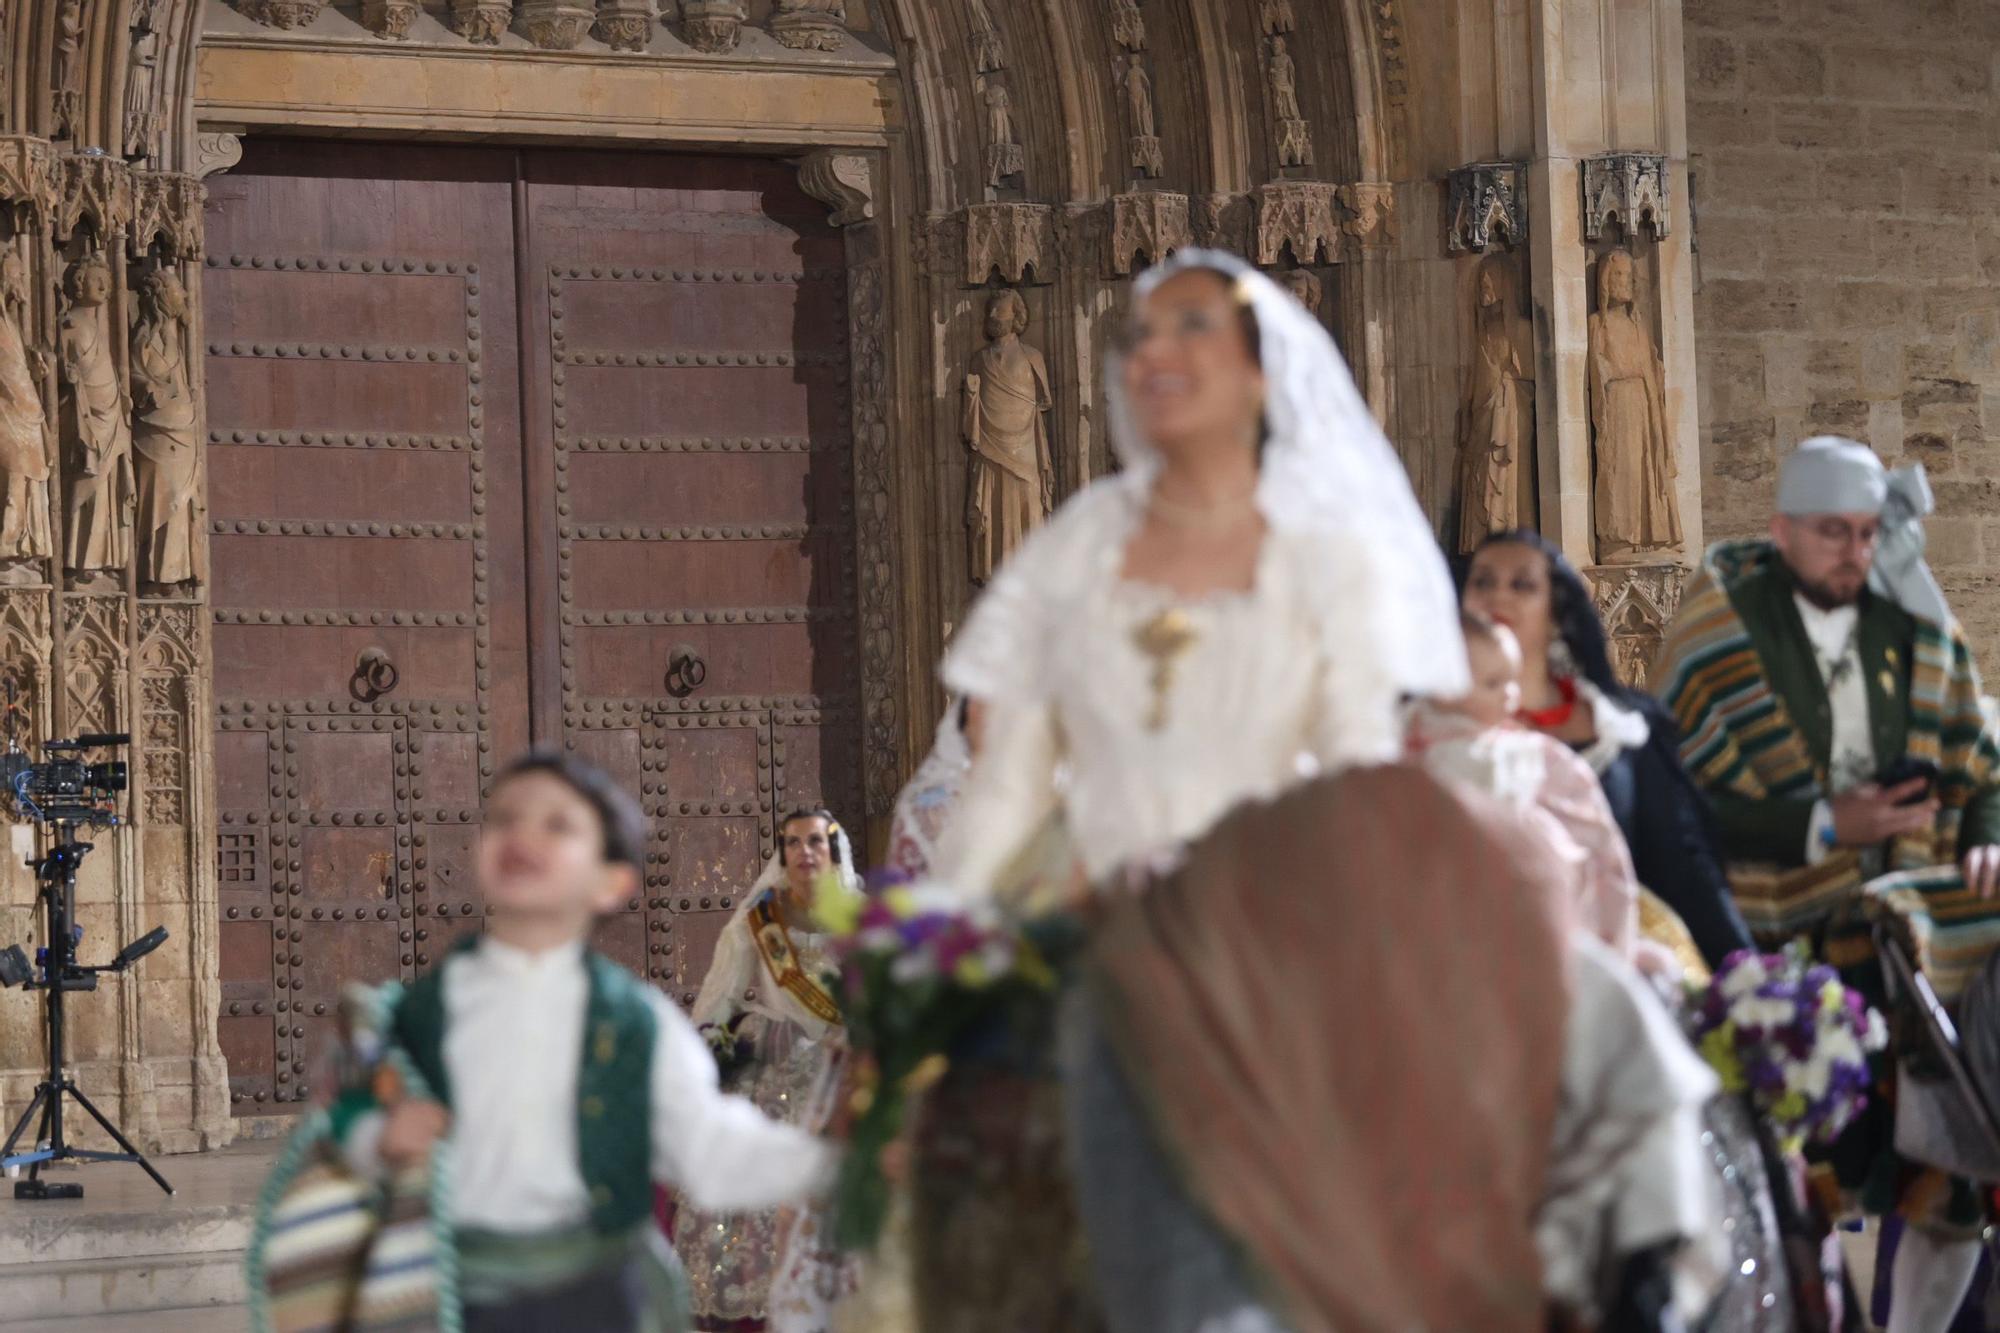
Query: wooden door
pixel 688 337
pixel 636 539
pixel 364 493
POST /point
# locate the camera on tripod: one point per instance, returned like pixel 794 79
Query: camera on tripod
pixel 65 791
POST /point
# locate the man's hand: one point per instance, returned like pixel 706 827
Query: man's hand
pixel 1871 814
pixel 412 1128
pixel 1981 868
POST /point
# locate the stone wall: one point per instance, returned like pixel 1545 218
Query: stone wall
pixel 1845 184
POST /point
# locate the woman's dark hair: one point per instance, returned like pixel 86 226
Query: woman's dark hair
pixel 809 812
pixel 623 822
pixel 1572 613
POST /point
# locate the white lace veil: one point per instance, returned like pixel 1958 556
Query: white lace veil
pixel 1327 467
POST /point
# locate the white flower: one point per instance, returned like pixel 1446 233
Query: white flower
pixel 1745 978
pixel 917 966
pixel 1877 1036
pixel 1759 1011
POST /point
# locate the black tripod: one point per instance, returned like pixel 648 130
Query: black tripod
pixel 60 972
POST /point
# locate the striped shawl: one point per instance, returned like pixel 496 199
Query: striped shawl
pixel 1737 738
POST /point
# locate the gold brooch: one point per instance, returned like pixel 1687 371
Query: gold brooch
pixel 1164 639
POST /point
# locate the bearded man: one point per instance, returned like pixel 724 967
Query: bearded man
pixel 1829 705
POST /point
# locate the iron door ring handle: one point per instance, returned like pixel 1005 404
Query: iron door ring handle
pixel 686 672
pixel 375 674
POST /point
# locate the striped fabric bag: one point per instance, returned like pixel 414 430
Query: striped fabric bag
pixel 333 1252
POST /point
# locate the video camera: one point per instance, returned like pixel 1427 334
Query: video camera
pixel 64 788
pixel 66 792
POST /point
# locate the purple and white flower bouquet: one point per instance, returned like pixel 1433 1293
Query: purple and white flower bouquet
pixel 1785 1032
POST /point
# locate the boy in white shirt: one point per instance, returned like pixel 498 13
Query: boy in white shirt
pixel 565 1086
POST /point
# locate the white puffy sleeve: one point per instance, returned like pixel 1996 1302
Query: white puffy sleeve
pixel 731 972
pixel 1357 714
pixel 720 1150
pixel 1004 656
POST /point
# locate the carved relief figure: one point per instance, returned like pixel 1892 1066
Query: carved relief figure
pixel 1003 154
pixel 142 122
pixel 24 426
pixel 1496 424
pixel 1011 486
pixel 712 26
pixel 97 432
pixel 1635 507
pixel 163 436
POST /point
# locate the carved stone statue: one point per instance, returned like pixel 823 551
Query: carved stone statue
pixel 24 426
pixel 1003 154
pixel 64 79
pixel 163 436
pixel 1146 154
pixel 1635 508
pixel 1294 136
pixel 96 426
pixel 1011 486
pixel 1496 423
pixel 1284 82
pixel 1305 285
pixel 1139 95
pixel 142 121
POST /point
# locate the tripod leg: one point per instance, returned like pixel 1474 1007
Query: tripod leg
pixel 54 1091
pixel 7 1150
pixel 124 1144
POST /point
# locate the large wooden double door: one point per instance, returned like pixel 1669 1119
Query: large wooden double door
pixel 511 448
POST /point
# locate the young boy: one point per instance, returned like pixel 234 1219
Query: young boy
pixel 1475 740
pixel 564 1085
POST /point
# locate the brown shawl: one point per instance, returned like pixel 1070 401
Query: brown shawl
pixel 1346 1014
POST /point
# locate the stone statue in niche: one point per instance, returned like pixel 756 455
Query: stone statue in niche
pixel 24 425
pixel 96 427
pixel 1294 137
pixel 1634 506
pixel 1003 153
pixel 1496 421
pixel 1276 17
pixel 1146 155
pixel 1011 485
pixel 1305 286
pixel 142 121
pixel 163 435
pixel 64 78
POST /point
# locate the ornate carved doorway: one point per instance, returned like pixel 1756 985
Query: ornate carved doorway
pixel 512 447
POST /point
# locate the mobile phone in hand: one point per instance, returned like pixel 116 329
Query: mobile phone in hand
pixel 1907 768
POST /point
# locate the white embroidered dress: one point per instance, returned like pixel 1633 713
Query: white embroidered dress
pixel 1269 690
pixel 777 1265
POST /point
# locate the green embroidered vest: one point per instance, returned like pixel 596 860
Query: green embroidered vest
pixel 614 1120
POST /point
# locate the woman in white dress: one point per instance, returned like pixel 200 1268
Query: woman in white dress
pixel 1239 610
pixel 765 996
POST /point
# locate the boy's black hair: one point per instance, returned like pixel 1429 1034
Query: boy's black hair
pixel 624 823
pixel 809 812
